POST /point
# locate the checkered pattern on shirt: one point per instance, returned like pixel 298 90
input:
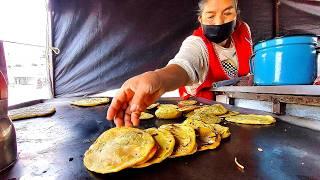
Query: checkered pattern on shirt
pixel 230 69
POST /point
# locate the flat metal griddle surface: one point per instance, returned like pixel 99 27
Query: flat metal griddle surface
pixel 54 146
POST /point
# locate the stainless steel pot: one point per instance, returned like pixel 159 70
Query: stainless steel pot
pixel 8 142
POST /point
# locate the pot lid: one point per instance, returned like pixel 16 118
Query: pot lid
pixel 310 39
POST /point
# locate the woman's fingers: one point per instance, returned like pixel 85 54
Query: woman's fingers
pixel 133 98
pixel 116 105
pixel 127 117
pixel 119 102
pixel 127 120
pixel 122 113
pixel 138 103
pixel 118 120
pixel 135 118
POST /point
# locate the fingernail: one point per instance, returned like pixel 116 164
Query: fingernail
pixel 135 124
pixel 128 124
pixel 117 124
pixel 109 118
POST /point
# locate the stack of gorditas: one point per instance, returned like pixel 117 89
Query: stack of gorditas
pixel 126 147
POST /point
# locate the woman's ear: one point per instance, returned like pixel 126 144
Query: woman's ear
pixel 199 19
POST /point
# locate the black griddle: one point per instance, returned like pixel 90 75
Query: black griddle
pixel 54 146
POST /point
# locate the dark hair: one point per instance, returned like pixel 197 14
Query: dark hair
pixel 202 2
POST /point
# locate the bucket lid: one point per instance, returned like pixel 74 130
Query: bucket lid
pixel 286 40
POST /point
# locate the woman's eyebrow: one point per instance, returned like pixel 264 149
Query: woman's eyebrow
pixel 228 8
pixel 210 12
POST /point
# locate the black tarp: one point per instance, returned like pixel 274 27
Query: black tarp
pixel 299 16
pixel 105 42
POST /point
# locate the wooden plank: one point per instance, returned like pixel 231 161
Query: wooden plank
pixel 289 99
pixel 305 90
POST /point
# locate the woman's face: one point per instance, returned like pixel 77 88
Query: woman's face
pixel 217 12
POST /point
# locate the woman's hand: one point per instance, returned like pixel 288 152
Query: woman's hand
pixel 317 81
pixel 133 98
pixel 137 93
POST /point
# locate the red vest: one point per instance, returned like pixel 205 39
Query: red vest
pixel 242 41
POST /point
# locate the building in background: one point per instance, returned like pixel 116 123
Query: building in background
pixel 23 30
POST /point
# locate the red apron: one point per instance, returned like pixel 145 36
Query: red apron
pixel 241 38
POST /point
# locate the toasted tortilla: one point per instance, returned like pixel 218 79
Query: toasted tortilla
pixel 38 110
pixel 145 116
pixel 222 130
pixel 187 103
pixel 150 155
pixel 185 139
pixel 230 113
pixel 186 109
pixel 168 105
pixel 165 141
pixel 167 112
pixel 251 119
pixel 207 137
pixel 206 117
pixel 189 114
pixel 88 102
pixel 216 109
pixel 152 106
pixel 117 149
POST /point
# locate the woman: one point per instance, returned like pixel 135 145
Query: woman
pixel 219 49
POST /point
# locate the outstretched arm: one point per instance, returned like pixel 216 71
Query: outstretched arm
pixel 138 92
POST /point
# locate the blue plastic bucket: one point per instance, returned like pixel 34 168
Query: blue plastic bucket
pixel 289 60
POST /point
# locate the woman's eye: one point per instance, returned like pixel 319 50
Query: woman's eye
pixel 227 13
pixel 210 17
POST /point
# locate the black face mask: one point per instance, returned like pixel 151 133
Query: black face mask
pixel 219 33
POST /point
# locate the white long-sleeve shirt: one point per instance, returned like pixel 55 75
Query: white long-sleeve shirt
pixel 193 57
